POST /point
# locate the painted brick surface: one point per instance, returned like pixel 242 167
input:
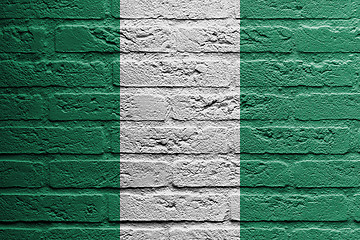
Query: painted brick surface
pixel 59 106
pixel 299 142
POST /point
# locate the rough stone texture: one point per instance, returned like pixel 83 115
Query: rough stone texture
pixel 172 208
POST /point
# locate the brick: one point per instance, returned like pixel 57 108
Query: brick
pixel 235 207
pixel 327 39
pixel 20 233
pixel 51 140
pixel 21 174
pixel 325 208
pixel 212 39
pixel 206 174
pixel 83 233
pixel 21 107
pixel 327 106
pixel 204 234
pixel 293 73
pixel 68 9
pixel 320 234
pixel 356 210
pixel 52 73
pixel 263 233
pixel 188 9
pixel 325 140
pixel 143 107
pixel 173 140
pixel 326 174
pixel 266 39
pixel 80 38
pixel 288 9
pixel 234 139
pixel 114 207
pixel 265 107
pixel 55 208
pixel 205 107
pixel 116 73
pixel 94 106
pixel 23 40
pixel 263 173
pixel 148 234
pixel 186 73
pixel 144 174
pixel 115 139
pixel 85 174
pixel 172 207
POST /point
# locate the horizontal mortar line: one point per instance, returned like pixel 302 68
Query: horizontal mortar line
pixel 75 223
pixel 179 52
pixel 174 222
pixel 295 221
pixel 287 187
pixel 295 19
pixel 179 19
pixel 190 225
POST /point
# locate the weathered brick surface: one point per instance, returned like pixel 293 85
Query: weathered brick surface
pixel 24 39
pixel 150 234
pixel 67 9
pixel 287 9
pixel 186 73
pixel 291 73
pixel 22 174
pixel 144 174
pixel 189 9
pixel 21 107
pixel 203 234
pixel 263 173
pixel 173 140
pixel 67 107
pixel 206 174
pixel 84 174
pixel 51 140
pixel 291 208
pixel 172 208
pixel 57 208
pixel 263 233
pixel 205 107
pixel 52 73
pixel 322 140
pixel 223 39
pixel 266 39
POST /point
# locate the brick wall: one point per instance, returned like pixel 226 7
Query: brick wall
pixel 299 129
pixel 180 108
pixel 59 119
